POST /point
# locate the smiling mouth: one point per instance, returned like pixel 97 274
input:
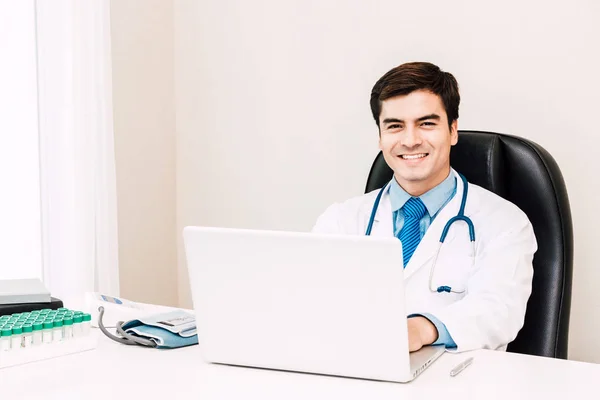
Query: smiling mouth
pixel 413 156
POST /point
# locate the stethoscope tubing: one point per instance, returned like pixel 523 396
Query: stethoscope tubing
pixel 125 338
pixel 459 217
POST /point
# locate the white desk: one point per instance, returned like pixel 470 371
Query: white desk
pixel 131 372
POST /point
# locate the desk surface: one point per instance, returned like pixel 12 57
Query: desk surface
pixel 121 371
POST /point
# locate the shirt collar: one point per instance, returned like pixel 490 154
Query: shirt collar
pixel 433 199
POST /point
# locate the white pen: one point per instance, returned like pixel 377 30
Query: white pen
pixel 457 370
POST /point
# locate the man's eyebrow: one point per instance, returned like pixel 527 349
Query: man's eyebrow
pixel 390 120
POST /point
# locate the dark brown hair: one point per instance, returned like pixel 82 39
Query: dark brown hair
pixel 407 78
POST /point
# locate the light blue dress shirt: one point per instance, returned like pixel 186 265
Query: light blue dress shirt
pixel 434 200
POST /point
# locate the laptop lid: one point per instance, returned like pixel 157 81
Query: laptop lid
pixel 307 302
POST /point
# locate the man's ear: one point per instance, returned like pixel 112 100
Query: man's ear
pixel 454 132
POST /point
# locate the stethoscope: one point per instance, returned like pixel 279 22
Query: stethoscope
pixel 124 338
pixel 459 217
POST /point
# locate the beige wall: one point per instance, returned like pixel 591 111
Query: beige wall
pixel 272 106
pixel 144 123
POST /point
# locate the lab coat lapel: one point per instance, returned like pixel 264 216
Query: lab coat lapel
pixel 430 242
pixel 382 224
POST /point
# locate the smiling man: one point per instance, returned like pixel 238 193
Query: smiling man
pixel 461 295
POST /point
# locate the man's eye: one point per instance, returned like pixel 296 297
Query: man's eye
pixel 394 126
pixel 428 124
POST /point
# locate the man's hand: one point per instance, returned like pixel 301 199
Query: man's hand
pixel 421 332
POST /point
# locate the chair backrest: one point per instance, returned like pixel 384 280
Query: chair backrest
pixel 524 173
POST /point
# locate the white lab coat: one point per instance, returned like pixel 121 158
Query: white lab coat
pixel 491 312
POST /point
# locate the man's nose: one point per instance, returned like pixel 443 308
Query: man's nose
pixel 411 138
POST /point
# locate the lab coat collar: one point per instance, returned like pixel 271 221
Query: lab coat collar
pixel 383 221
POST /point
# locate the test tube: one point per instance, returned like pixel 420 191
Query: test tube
pixel 5 336
pixel 57 333
pixel 47 332
pixel 15 339
pixel 77 320
pixel 27 336
pixel 86 324
pixel 37 333
pixel 68 327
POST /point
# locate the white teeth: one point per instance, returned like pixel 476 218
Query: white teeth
pixel 412 156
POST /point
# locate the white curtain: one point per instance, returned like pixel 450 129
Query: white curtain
pixel 20 218
pixel 78 184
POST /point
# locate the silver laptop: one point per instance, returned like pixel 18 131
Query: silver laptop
pixel 305 302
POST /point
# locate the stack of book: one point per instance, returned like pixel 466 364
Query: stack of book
pixel 25 295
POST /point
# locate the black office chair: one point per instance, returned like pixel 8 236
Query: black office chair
pixel 525 174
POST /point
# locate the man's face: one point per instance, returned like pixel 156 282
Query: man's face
pixel 415 140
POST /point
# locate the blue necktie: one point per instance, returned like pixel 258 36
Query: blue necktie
pixel 410 235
